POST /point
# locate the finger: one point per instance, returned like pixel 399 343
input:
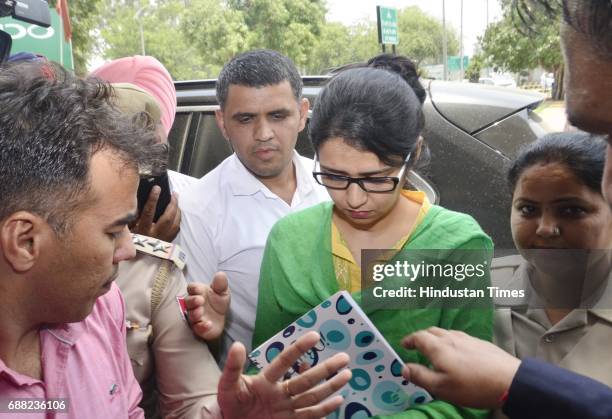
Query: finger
pixel 172 225
pixel 304 366
pixel 197 288
pixel 321 410
pixel 148 211
pixel 219 295
pixel 459 334
pixel 322 390
pixel 203 330
pixel 165 222
pixel 315 375
pixel 424 341
pixel 220 284
pixel 437 331
pixel 193 302
pixel 195 315
pixel 234 363
pixel 435 348
pixel 422 376
pixel 289 355
pixel 177 219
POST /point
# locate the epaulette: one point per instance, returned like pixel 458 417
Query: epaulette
pixel 160 249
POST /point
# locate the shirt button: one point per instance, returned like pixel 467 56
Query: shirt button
pixel 549 338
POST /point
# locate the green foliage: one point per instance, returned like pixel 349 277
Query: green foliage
pixel 84 16
pixel 472 73
pixel 421 37
pixel 215 33
pixel 195 38
pixel 163 37
pixel 506 46
pixel 292 27
pixel 340 44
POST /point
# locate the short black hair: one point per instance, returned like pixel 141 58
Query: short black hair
pixel 258 68
pixel 582 153
pixel 51 124
pixel 590 17
pixel 371 109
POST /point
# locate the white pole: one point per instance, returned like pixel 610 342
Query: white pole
pixel 444 41
pixel 142 44
pixel 461 43
pixel 61 40
pixel 138 15
pixel 487 73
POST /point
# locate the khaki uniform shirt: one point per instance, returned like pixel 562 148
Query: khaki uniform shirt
pixel 580 342
pixel 175 369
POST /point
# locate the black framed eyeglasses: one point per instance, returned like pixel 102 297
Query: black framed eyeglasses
pixel 376 184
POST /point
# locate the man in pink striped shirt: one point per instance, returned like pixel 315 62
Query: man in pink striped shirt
pixel 69 167
pixel 69 170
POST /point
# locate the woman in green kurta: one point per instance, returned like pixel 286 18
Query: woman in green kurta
pixel 365 129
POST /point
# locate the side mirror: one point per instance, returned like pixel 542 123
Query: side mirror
pixel 31 11
pixel 5 45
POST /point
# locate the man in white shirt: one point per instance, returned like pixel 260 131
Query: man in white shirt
pixel 227 215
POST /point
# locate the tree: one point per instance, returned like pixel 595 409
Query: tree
pixel 219 30
pixel 291 27
pixel 84 16
pixel 506 46
pixel 163 38
pixel 216 33
pixel 473 71
pixel 339 44
pixel 195 38
pixel 421 37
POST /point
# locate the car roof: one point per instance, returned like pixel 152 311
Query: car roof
pixel 449 98
pixel 488 104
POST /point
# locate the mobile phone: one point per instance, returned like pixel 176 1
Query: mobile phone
pixel 144 190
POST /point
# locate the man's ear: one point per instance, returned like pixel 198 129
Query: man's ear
pixel 221 123
pixel 21 238
pixel 304 105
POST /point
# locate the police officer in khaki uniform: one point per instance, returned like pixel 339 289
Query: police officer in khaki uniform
pixel 176 371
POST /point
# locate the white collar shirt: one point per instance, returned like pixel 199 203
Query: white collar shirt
pixel 226 218
pixel 179 182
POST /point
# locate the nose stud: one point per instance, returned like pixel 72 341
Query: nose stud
pixel 556 231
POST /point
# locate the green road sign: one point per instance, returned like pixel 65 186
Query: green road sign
pixel 49 41
pixel 454 62
pixel 387 25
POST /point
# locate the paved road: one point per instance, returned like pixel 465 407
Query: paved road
pixel 553 114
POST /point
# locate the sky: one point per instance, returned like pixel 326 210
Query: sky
pixel 474 14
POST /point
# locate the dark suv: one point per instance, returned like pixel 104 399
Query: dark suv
pixel 472 132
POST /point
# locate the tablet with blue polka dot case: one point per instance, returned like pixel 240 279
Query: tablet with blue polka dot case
pixel 377 386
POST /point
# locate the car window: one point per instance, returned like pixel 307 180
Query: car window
pixel 177 138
